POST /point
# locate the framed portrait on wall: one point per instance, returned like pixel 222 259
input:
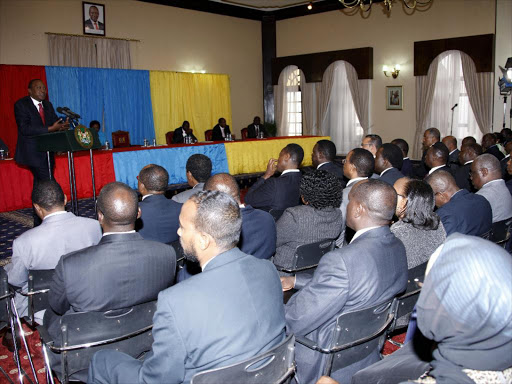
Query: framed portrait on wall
pixel 93 18
pixel 394 98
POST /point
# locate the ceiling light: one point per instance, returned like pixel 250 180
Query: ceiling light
pixel 366 5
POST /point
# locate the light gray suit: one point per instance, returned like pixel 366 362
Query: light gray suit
pixel 183 196
pixel 498 195
pixel 41 248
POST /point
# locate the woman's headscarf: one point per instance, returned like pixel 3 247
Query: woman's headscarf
pixel 466 306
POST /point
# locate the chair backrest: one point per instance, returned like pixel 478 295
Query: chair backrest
pixel 404 306
pixel 4 299
pixel 308 255
pixel 208 134
pixel 244 132
pixel 271 367
pixel 39 281
pixel 276 213
pixel 359 333
pixel 120 139
pixel 168 137
pixel 500 231
pixel 414 276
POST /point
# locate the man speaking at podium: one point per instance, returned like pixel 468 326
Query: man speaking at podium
pixel 35 116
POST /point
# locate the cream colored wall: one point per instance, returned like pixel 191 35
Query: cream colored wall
pixel 392 38
pixel 172 39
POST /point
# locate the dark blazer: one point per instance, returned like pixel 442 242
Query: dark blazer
pixel 217 133
pixel 454 158
pixel 509 185
pixel 159 220
pixel 177 137
pixel 336 170
pixel 251 131
pixel 258 237
pixel 462 178
pixel 231 311
pixel 30 125
pixel 421 170
pixel 493 150
pixel 121 271
pixel 466 213
pixel 88 24
pixel 370 270
pixel 407 168
pixel 503 163
pixel 276 192
pixel 391 176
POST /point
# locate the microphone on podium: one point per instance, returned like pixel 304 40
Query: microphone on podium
pixel 66 111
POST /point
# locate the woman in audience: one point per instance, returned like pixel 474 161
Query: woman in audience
pixel 419 228
pixel 318 219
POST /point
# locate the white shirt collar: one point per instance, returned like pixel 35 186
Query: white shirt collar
pixel 405 158
pixel 384 171
pixel 468 162
pixel 436 168
pixel 208 262
pixel 355 180
pixel 117 233
pixel 319 165
pixel 361 231
pixel 54 214
pixel 36 103
pixel 506 156
pixel 452 151
pixel 149 194
pixel 289 170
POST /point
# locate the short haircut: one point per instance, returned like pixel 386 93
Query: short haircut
pixel 402 144
pixel 473 148
pixel 94 122
pixel 489 162
pixel 47 194
pixel 468 140
pixel 363 161
pixel 326 148
pixel 31 82
pixel 440 181
pixel 154 177
pixel 200 166
pixel 393 154
pixel 378 197
pixel 185 122
pixel 296 153
pixel 452 140
pixel 321 189
pixel 218 215
pixel 223 182
pixel 489 139
pixel 433 132
pixel 376 140
pixel 118 203
pixel 506 133
pixel 420 205
pixel 221 119
pixel 440 151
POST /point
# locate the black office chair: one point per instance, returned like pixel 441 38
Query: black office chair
pixel 84 333
pixel 308 256
pixel 39 281
pixel 500 232
pixel 275 366
pixel 356 335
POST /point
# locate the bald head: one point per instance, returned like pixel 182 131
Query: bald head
pixel 484 169
pixel 444 186
pixel 223 182
pixel 450 142
pixel 118 207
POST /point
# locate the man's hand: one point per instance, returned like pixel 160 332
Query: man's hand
pixel 271 169
pixel 326 380
pixel 288 282
pixel 59 125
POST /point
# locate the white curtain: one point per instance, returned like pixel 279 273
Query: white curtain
pixel 340 119
pixel 310 106
pixel 285 94
pixel 360 90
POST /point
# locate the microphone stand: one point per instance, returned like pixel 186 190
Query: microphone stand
pixel 453 111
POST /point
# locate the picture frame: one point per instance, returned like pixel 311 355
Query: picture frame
pixel 93 18
pixel 394 98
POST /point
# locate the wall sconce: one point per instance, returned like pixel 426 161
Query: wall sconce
pixel 394 73
pixel 310 6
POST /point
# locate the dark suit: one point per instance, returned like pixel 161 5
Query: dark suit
pixel 509 186
pixel 421 170
pixel 251 131
pixel 258 237
pixel 407 168
pixel 391 176
pixel 462 178
pixel 159 220
pixel 276 192
pixel 504 171
pixel 89 24
pixel 336 170
pixel 370 270
pixel 231 311
pixel 493 150
pixel 217 133
pixel 453 158
pixel 466 213
pixel 177 137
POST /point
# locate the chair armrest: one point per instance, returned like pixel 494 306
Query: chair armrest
pixel 293 271
pixel 32 293
pixel 45 336
pixel 311 344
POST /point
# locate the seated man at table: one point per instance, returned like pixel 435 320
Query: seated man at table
pixel 230 312
pixel 221 130
pixel 159 215
pixel 281 192
pixel 199 169
pixel 180 133
pixel 254 129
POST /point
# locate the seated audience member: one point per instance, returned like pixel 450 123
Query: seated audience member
pixel 453 155
pixel 437 158
pixel 122 270
pixel 504 161
pixel 489 145
pixel 254 129
pixel 323 156
pixel 180 133
pixel 221 130
pixel 159 216
pixel 468 140
pixel 199 169
pixel 372 143
pixel 407 163
pixel 358 166
pixel 41 247
pixel 460 211
pixel 95 124
pixel 461 313
pixel 431 136
pixel 368 271
pixel 280 192
pixel 506 134
pixel 230 312
pixel 468 153
pixel 258 236
pixel 486 177
pixel 419 228
pixel 318 219
pixel 388 162
pixel 509 170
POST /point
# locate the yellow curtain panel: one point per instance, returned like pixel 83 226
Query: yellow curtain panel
pixel 199 98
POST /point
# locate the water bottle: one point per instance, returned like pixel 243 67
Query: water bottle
pixel 154 142
pixel 107 144
pixel 1 154
pixel 146 142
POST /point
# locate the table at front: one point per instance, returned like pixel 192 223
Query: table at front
pixel 124 164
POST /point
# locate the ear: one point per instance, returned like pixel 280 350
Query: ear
pixel 39 210
pixel 304 201
pixel 205 241
pixel 139 212
pixel 484 172
pixel 359 211
pixel 65 199
pixel 100 217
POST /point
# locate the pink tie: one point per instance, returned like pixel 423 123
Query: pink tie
pixel 41 112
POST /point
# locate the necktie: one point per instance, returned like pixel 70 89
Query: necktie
pixel 41 112
pixel 96 25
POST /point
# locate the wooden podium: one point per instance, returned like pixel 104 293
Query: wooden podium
pixel 70 141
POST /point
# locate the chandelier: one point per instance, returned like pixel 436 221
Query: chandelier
pixel 366 5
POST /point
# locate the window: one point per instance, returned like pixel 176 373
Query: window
pixel 294 104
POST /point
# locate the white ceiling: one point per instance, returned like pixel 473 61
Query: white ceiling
pixel 264 5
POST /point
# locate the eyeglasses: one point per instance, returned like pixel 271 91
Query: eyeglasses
pixel 366 144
